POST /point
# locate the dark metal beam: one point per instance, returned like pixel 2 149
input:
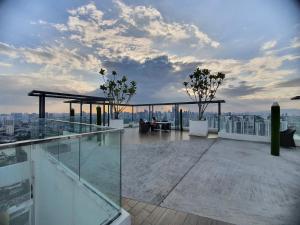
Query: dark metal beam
pixel 296 98
pixel 179 103
pixel 150 104
pixel 50 94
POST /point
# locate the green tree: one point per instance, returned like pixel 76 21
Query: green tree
pixel 118 89
pixel 201 86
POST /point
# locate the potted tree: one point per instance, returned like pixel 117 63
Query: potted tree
pixel 202 86
pixel 119 91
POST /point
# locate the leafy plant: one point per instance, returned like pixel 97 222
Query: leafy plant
pixel 202 87
pixel 119 91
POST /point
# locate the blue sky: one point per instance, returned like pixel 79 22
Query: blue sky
pixel 60 45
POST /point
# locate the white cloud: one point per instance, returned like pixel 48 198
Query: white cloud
pixel 268 45
pixel 150 20
pixel 59 57
pixel 117 38
pixel 262 71
pixel 295 43
pixel 2 64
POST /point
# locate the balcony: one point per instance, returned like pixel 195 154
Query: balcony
pixel 62 173
pixel 173 178
pixel 168 177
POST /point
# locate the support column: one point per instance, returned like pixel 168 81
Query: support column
pixel 176 115
pixel 91 112
pixel 149 117
pixel 80 111
pixel 104 114
pixel 42 106
pixel 108 114
pixel 132 114
pixel 180 120
pixel 99 112
pixel 219 115
pixel 70 107
pixel 152 111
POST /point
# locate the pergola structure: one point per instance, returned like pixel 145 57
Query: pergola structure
pixel 296 98
pixel 76 98
pixel 151 108
pixel 91 102
pixel 176 107
pixel 103 101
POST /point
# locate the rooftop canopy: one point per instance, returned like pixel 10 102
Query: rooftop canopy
pixel 72 97
pixel 50 94
pixel 296 98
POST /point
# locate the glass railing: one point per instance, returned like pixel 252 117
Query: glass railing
pixel 63 172
pixel 256 125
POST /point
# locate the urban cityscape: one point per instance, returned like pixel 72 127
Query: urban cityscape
pixel 127 112
pixel 16 126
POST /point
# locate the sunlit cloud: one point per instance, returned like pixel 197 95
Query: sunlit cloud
pixel 269 45
pixel 152 46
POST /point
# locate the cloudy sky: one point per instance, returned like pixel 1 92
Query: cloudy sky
pixel 60 46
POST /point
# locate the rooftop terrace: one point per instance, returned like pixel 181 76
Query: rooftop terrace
pixel 233 181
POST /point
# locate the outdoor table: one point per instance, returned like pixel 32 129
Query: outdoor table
pixel 164 123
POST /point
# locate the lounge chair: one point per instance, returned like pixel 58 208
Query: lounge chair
pixel 287 138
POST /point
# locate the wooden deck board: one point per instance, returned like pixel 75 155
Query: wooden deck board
pixel 146 214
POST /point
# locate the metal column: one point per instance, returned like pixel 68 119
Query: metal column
pixel 42 106
pixel 152 111
pixel 132 114
pixel 176 115
pixel 104 114
pixel 91 111
pixel 219 115
pixel 80 112
pixel 108 114
pixel 70 107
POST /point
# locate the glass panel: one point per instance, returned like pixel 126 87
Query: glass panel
pixel 100 164
pixel 62 175
pixel 245 124
pixel 15 185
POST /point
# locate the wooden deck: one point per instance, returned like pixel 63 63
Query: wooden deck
pixel 146 214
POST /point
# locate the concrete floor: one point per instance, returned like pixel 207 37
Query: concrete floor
pixel 233 181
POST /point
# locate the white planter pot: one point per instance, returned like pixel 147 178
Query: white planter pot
pixel 119 124
pixel 198 128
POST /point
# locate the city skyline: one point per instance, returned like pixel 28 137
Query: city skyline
pixel 61 46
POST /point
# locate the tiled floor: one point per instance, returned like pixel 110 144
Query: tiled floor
pixel 147 214
pixel 234 181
